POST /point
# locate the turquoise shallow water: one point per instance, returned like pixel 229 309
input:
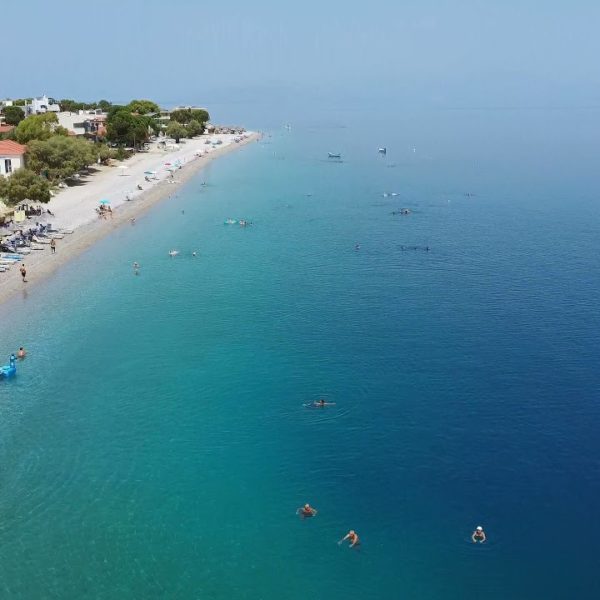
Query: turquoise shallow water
pixel 155 443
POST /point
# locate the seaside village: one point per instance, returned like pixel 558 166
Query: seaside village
pixel 65 163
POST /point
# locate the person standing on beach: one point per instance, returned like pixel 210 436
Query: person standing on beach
pixel 23 272
pixel 53 245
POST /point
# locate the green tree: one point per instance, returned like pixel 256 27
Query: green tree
pixel 36 127
pixel 59 157
pixel 176 131
pixel 24 185
pixel 68 105
pixel 124 128
pixel 143 107
pixel 13 115
pixel 194 128
pixel 103 153
pixel 185 115
pixel 104 105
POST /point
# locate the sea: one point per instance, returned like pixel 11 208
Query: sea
pixel 159 437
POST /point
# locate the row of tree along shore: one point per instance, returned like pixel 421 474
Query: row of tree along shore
pixel 54 155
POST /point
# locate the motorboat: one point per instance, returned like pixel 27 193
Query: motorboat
pixel 383 150
pixel 334 155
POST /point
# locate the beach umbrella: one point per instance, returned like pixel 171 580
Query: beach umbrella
pixel 104 201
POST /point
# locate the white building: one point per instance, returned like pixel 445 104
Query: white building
pixel 12 156
pixel 83 122
pixel 41 105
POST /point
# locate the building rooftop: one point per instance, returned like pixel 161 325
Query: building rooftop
pixel 10 148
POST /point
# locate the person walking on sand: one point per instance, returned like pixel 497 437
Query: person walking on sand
pixel 23 272
pixel 53 245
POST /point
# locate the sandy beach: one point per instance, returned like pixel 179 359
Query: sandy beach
pixel 75 207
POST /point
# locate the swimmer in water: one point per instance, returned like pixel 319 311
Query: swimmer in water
pixel 21 353
pixel 352 537
pixel 357 246
pixel 478 535
pixel 321 403
pixel 193 254
pixel 306 511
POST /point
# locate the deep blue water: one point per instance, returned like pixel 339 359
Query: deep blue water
pixel 155 443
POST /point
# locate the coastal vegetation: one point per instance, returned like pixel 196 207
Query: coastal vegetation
pixel 13 115
pixel 38 127
pixel 73 106
pixel 186 115
pixel 133 124
pixel 59 157
pixel 24 184
pixel 176 131
pixel 143 107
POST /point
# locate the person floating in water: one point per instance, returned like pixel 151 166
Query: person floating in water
pixel 352 537
pixel 478 535
pixel 321 403
pixel 306 511
pixel 357 246
pixel 21 353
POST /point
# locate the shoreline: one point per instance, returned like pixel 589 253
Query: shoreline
pixel 43 264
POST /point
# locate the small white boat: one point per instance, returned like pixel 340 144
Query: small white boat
pixel 334 155
pixel 383 150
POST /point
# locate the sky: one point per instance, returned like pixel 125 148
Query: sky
pixel 422 52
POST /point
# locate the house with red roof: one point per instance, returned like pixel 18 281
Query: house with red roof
pixel 12 156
